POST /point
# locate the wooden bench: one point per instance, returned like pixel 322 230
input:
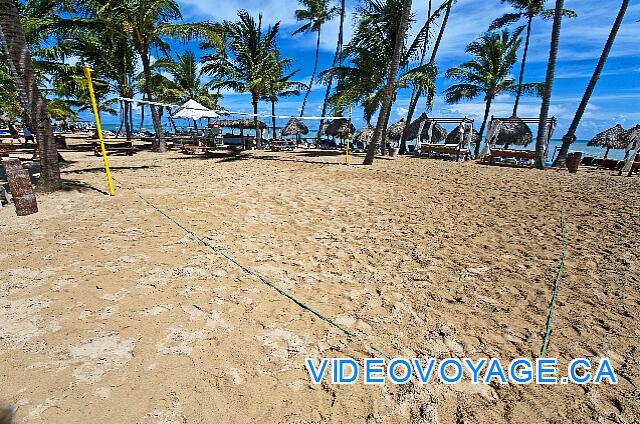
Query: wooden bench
pixel 449 149
pixel 279 145
pixel 511 153
pixel 125 147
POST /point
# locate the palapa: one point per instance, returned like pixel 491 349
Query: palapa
pixel 423 122
pixel 295 126
pixel 394 132
pixel 613 138
pixel 339 128
pixel 454 136
pixel 513 132
pixel 364 135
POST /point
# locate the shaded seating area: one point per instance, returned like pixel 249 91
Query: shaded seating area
pixel 113 146
pixel 456 144
pixel 296 128
pixel 512 131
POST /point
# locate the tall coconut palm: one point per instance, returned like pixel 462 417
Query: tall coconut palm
pixel 316 13
pixel 418 89
pixel 337 61
pixel 251 62
pixel 281 86
pixel 527 10
pixel 16 50
pixel 568 138
pixel 184 80
pixel 489 74
pixel 146 22
pixel 370 54
pixel 541 140
pixel 387 98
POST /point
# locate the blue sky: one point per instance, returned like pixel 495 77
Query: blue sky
pixel 614 100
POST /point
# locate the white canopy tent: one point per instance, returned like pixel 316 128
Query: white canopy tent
pixel 194 110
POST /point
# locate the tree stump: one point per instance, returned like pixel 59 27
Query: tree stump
pixel 20 186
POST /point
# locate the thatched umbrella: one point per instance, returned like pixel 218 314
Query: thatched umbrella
pixel 295 126
pixel 513 132
pixel 454 136
pixel 394 132
pixel 438 134
pixel 365 135
pixel 339 128
pixel 613 138
pixel 626 136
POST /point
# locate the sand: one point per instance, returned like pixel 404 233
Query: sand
pixel 109 313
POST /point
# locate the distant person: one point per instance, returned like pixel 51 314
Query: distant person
pixel 28 135
pixel 15 134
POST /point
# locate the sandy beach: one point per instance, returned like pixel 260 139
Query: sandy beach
pixel 109 312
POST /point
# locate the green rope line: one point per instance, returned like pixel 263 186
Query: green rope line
pixel 545 342
pixel 249 271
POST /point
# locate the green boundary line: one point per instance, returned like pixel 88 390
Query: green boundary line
pixel 249 271
pixel 545 342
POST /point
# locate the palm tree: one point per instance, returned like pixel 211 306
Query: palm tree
pixel 568 138
pixel 281 86
pixel 252 62
pixel 489 74
pixel 391 81
pixel 370 54
pixel 146 22
pixel 424 38
pixel 316 13
pixel 185 80
pixel 16 50
pixel 337 61
pixel 528 10
pixel 541 140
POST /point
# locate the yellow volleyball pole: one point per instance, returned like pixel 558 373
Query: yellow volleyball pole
pixel 348 137
pixel 94 105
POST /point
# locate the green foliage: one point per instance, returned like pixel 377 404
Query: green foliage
pixel 489 73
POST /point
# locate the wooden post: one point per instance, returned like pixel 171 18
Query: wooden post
pixel 20 187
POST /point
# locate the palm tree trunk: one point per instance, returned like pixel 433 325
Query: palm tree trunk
pixel 313 75
pixel 127 128
pixel 487 109
pixel 541 140
pixel 160 145
pixel 273 118
pixel 19 59
pixel 524 61
pixel 413 103
pixel 567 139
pixel 337 59
pixel 254 102
pixel 388 96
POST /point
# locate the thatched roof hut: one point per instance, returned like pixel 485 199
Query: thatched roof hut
pixel 339 128
pixel 438 134
pixel 394 132
pixel 454 136
pixel 513 132
pixel 364 135
pixel 613 138
pixel 241 123
pixel 295 126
